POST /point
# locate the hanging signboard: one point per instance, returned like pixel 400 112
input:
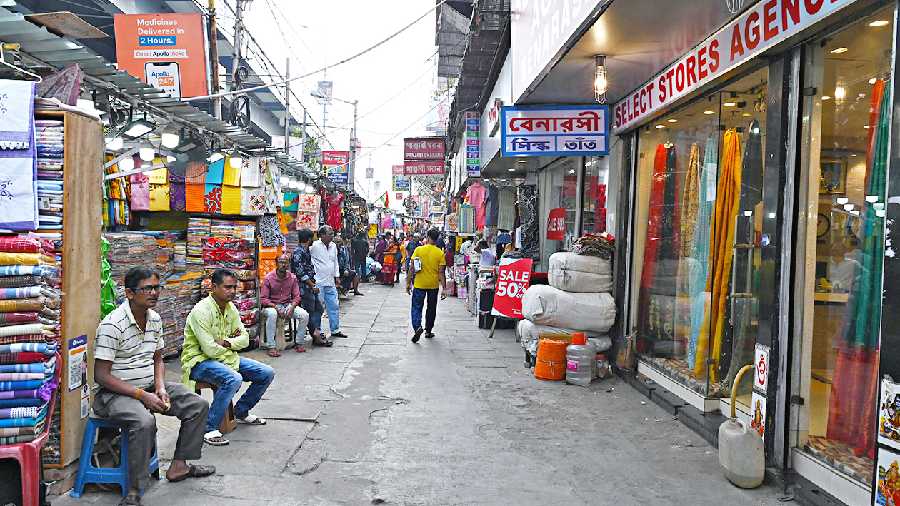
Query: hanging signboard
pixel 554 130
pixel 423 148
pixel 397 170
pixel 165 50
pixel 401 183
pixel 426 168
pixel 513 278
pixel 556 224
pixel 473 144
pixel 759 28
pixel 336 165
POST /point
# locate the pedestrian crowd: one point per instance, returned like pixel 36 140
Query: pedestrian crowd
pixel 304 286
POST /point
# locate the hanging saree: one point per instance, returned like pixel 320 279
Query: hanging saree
pixel 699 253
pixel 721 252
pixel 852 409
pixel 647 316
pixel 690 210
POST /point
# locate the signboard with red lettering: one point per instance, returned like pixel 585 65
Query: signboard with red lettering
pixel 761 368
pixel 424 168
pixel 397 170
pixel 513 278
pixel 557 130
pixel 759 28
pixel 556 224
pixel 336 164
pixel 423 148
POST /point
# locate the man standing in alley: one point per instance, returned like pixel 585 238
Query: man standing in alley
pixel 325 261
pixel 279 297
pixel 213 334
pixel 359 250
pixel 302 267
pixel 424 277
pixel 130 371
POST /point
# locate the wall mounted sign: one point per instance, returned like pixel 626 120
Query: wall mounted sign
pixel 424 156
pixel 759 28
pixel 336 165
pixel 560 130
pixel 556 224
pixel 494 117
pixel 473 144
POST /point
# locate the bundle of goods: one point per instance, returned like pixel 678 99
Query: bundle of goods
pixel 49 137
pixel 197 232
pixel 127 250
pixel 179 257
pixel 577 307
pixel 165 253
pixel 29 337
pixel 175 302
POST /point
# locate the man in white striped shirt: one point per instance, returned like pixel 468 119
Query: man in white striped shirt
pixel 131 374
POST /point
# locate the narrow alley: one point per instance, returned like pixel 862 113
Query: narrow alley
pixel 452 420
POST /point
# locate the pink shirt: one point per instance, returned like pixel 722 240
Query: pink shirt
pixel 277 291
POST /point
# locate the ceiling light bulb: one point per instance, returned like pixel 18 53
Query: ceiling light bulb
pixel 283 180
pixel 126 164
pixel 842 200
pixel 672 120
pixel 879 22
pixel 660 126
pixel 709 111
pixel 115 144
pixel 601 82
pixel 872 198
pixel 826 97
pixel 215 157
pixel 147 154
pixel 855 212
pixel 840 93
pixel 746 115
pixel 171 159
pixel 138 128
pixel 729 104
pixel 873 80
pixel 848 207
pixel 169 140
pixel 839 50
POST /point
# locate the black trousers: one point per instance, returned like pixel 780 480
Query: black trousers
pixel 418 300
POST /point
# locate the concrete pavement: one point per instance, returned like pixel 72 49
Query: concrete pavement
pixel 452 420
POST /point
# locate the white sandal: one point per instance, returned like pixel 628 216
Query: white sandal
pixel 251 420
pixel 215 438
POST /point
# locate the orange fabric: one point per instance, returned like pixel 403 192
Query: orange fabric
pixel 194 195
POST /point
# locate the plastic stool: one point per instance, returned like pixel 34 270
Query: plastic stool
pixel 28 455
pixel 88 473
pixel 228 422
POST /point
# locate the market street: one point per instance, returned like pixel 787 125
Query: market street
pixel 453 420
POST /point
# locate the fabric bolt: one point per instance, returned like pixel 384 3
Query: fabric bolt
pixel 18 431
pixel 44 348
pixel 159 197
pixel 25 338
pixel 21 376
pixel 19 403
pixel 20 293
pixel 20 385
pixel 215 172
pixel 23 422
pixel 20 259
pixel 140 192
pixel 231 199
pixel 177 197
pixel 213 199
pixel 17 244
pixel 253 201
pixel 23 412
pixel 21 358
pixel 40 367
pixel 195 198
pixel 14 267
pixel 18 318
pixel 21 305
pixel 721 253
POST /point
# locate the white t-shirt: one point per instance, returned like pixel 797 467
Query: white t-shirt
pixel 325 261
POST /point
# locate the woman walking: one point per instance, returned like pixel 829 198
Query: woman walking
pixel 389 264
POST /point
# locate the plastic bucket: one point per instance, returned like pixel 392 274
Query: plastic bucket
pixel 551 360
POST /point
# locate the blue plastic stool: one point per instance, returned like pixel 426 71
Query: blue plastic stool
pixel 88 473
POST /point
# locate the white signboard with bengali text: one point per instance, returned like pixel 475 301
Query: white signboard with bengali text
pixel 554 130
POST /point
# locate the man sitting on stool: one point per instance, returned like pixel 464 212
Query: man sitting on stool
pixel 130 371
pixel 280 297
pixel 213 334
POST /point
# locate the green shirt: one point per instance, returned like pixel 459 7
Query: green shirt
pixel 207 326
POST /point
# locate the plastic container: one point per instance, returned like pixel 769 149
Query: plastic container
pixel 551 360
pixel 741 453
pixel 581 360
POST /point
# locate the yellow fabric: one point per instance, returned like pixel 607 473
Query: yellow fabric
pixel 690 207
pixel 20 258
pixel 160 175
pixel 432 257
pixel 231 198
pixel 231 177
pixel 159 197
pixel 721 253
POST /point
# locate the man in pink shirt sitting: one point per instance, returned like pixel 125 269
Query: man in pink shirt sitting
pixel 280 297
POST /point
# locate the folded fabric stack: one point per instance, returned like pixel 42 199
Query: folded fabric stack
pixel 197 232
pixel 127 250
pixel 29 336
pixel 179 256
pixel 49 138
pixel 182 292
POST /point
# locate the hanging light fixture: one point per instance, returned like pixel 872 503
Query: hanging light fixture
pixel 147 154
pixel 170 140
pixel 601 83
pixel 235 160
pixel 126 164
pixel 115 144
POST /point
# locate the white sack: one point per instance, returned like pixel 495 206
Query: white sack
pixel 568 261
pixel 550 306
pixel 529 333
pixel 578 281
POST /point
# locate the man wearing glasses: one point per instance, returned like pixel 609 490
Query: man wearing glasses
pixel 213 334
pixel 130 371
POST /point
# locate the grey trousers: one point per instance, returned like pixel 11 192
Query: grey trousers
pixel 187 406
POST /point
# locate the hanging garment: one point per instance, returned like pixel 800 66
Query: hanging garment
pixel 291 202
pixel 493 207
pixel 195 173
pixel 647 319
pixel 250 172
pixel 159 197
pixel 690 209
pixel 721 252
pixel 699 253
pixel 195 198
pixel 506 213
pixel 215 172
pixel 231 175
pixel 231 199
pixel 310 203
pixel 177 197
pixel 855 383
pixel 269 234
pixel 140 192
pixel 741 334
pixel 213 199
pixel 160 175
pixel 333 218
pixel 253 201
pixel 476 195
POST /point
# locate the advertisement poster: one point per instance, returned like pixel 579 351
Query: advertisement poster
pixel 337 165
pixel 473 144
pixel 165 50
pixel 887 481
pixel 556 224
pixel 889 414
pixel 761 368
pixel 77 361
pixel 401 183
pixel 513 278
pixel 758 413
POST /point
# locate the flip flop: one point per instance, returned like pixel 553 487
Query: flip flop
pixel 216 439
pixel 299 349
pixel 130 500
pixel 195 471
pixel 251 420
pixel 324 343
pixel 274 353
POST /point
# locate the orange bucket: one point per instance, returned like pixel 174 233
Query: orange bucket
pixel 551 360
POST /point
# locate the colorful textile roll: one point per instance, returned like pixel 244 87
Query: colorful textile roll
pixel 25 292
pixel 19 403
pixel 15 259
pixel 17 431
pixel 20 385
pixel 28 368
pixel 31 338
pixel 18 281
pixel 27 270
pixel 18 318
pixel 21 305
pixel 23 422
pixel 18 244
pixel 24 412
pixel 21 376
pixel 26 357
pixel 44 348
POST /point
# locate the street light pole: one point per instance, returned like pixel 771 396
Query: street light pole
pixel 353 148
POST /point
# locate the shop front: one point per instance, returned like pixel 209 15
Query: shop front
pixel 758 164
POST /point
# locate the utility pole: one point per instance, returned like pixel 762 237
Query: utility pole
pixel 303 139
pixel 287 106
pixel 238 28
pixel 353 149
pixel 214 60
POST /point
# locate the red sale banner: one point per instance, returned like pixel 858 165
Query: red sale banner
pixel 556 224
pixel 513 278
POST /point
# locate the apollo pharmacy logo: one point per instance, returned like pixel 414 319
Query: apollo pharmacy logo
pixel 145 54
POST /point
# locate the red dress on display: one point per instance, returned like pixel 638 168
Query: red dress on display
pixel 333 218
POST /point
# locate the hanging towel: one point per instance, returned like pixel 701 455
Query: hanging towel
pixel 17 115
pixel 231 175
pixel 309 203
pixel 231 199
pixel 195 196
pixel 216 172
pixel 253 201
pixel 140 192
pixel 291 202
pixel 250 172
pixel 160 175
pixel 213 199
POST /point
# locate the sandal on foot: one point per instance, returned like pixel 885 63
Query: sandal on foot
pixel 250 420
pixel 195 471
pixel 325 343
pixel 130 500
pixel 299 349
pixel 215 438
pixel 274 353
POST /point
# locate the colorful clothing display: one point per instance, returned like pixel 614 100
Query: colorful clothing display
pixel 195 198
pixel 140 192
pixel 231 199
pixel 333 216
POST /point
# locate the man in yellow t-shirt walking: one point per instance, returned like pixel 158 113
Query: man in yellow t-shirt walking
pixel 423 278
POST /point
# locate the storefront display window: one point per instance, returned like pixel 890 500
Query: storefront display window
pixel 559 189
pixel 697 236
pixel 845 150
pixel 596 179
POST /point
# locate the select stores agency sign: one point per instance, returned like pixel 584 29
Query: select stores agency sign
pixel 759 28
pixel 164 50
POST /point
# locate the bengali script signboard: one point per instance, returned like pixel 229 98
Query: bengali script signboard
pixel 558 130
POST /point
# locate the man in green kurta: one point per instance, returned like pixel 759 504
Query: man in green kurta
pixel 213 334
